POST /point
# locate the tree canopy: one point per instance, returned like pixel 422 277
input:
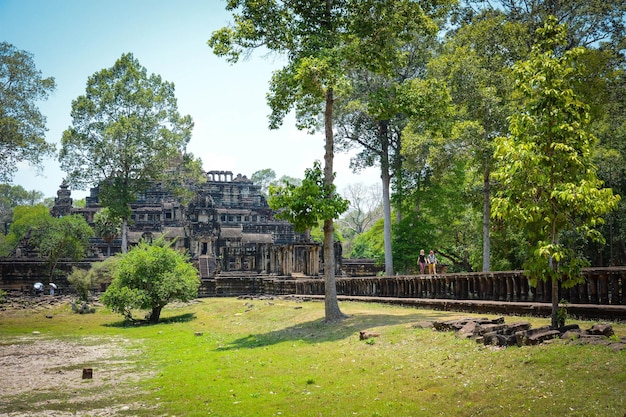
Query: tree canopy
pixel 126 133
pixel 22 126
pixel 306 204
pixel 53 238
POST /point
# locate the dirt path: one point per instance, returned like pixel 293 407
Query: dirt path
pixel 44 377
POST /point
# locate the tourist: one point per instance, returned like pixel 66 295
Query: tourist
pixel 422 261
pixel 431 260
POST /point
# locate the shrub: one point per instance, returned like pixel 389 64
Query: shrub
pixel 149 276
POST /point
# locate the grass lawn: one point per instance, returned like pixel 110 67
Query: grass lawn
pixel 233 357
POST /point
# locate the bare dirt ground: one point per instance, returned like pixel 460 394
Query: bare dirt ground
pixel 44 377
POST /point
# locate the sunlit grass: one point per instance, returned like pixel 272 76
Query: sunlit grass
pixel 230 357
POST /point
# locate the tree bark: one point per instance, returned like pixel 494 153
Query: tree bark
pixel 554 319
pixel 386 180
pixel 486 219
pixel 331 304
pixel 155 315
pixel 124 235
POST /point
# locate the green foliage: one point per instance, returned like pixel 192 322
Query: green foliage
pixel 150 276
pixel 80 280
pixel 79 203
pixel 107 226
pixel 548 183
pixel 126 133
pixel 102 273
pixel 305 205
pixel 322 41
pixel 22 126
pixel 12 196
pixel 264 178
pixel 54 238
pixel 3 295
pixel 317 233
pixel 370 244
pixel 24 218
pixel 64 237
pixel 438 214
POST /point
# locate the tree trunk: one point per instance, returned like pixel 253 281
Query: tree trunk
pixel 555 303
pixel 387 224
pixel 554 319
pixel 386 180
pixel 486 219
pixel 124 235
pixel 331 304
pixel 155 315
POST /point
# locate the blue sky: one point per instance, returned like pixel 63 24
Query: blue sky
pixel 73 39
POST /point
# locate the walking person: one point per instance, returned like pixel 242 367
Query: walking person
pixel 431 260
pixel 422 261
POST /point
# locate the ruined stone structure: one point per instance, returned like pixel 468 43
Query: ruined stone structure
pixel 227 227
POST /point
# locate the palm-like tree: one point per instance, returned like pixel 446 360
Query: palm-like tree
pixel 107 227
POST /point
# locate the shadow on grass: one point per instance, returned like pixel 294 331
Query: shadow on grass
pixel 319 331
pixel 181 318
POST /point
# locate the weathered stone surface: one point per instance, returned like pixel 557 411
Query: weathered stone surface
pixel 497 333
pixel 537 338
pixel 601 329
pixel 570 335
pixel 482 329
pixel 423 325
pixel 455 325
pixel 467 331
pixel 227 226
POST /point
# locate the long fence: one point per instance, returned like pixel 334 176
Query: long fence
pixel 602 295
pixel 600 286
pixel 603 291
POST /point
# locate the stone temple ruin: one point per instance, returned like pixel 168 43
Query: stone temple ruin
pixel 228 228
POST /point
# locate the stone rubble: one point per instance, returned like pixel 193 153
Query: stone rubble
pixel 495 332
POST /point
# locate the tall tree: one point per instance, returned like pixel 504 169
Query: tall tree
pixel 611 161
pixel 588 22
pixel 126 132
pixel 309 33
pixel 22 126
pixel 373 117
pixel 477 61
pixel 321 41
pixel 476 65
pixel 548 183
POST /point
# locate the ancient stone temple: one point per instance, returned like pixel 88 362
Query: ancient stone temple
pixel 227 227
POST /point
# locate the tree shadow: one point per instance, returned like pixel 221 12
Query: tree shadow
pixel 319 331
pixel 181 318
